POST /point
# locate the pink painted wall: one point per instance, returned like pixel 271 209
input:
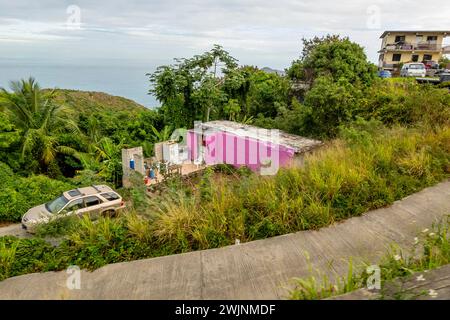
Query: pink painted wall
pixel 225 147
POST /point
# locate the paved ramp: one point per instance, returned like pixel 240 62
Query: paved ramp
pixel 255 270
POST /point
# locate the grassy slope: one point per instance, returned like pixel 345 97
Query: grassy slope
pixel 90 101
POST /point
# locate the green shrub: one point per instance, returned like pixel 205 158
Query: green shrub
pixel 406 102
pixel 18 194
pixel 58 227
pixel 19 256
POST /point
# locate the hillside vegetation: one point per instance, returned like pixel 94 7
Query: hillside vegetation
pixel 384 140
pixel 88 102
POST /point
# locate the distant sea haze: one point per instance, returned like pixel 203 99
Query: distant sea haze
pixel 128 81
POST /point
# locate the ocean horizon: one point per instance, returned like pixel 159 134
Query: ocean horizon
pixel 128 81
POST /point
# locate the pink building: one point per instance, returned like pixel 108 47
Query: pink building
pixel 238 144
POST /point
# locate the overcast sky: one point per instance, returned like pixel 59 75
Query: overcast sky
pixel 262 33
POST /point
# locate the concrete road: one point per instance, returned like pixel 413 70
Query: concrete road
pixel 259 269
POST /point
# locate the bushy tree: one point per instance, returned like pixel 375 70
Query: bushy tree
pixel 268 93
pixel 328 105
pixel 190 87
pixel 332 56
pixel 336 71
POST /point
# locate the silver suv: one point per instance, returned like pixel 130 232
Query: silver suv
pixel 96 200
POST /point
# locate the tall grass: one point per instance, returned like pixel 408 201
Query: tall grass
pixel 367 168
pixel 7 257
pixel 319 285
pixel 364 170
pixel 431 250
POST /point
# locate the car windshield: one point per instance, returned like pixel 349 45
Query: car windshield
pixel 56 205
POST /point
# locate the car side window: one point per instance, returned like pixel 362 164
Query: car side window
pixel 75 205
pixel 91 201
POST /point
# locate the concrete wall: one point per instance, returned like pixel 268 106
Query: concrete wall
pixel 127 154
pixel 407 56
pixel 225 147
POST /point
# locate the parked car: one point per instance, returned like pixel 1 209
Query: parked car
pixel 443 80
pixel 431 65
pixel 441 71
pixel 414 69
pixel 95 201
pixel 384 74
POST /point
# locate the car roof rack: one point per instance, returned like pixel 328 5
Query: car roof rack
pixel 96 188
pixel 74 193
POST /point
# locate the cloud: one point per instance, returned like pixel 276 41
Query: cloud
pixel 256 31
pixel 17 30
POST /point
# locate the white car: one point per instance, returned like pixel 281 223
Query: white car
pixel 415 69
pixel 96 200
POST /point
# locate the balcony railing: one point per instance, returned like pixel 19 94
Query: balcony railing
pixel 414 46
pixel 385 65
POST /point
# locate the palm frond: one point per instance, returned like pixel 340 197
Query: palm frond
pixel 29 141
pixel 48 148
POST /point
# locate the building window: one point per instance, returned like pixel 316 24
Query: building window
pixel 396 57
pixel 432 38
pixel 415 58
pixel 399 39
pixel 427 57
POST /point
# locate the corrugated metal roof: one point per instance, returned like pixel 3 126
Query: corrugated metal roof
pixel 298 143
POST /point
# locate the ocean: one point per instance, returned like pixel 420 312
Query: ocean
pixel 128 81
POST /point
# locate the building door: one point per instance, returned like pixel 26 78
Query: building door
pixel 415 58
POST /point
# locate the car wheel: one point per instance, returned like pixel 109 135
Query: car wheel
pixel 109 214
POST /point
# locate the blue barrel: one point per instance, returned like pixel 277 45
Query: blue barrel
pixel 132 164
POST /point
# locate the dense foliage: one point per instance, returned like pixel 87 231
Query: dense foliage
pixel 58 133
pixel 369 167
pixel 212 86
pixel 18 194
pixel 385 139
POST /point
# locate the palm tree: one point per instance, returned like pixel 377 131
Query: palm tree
pixel 33 112
pixel 108 155
pixel 162 135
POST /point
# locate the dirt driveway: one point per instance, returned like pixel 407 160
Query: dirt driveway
pixel 14 230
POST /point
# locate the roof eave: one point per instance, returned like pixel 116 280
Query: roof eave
pixel 444 32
